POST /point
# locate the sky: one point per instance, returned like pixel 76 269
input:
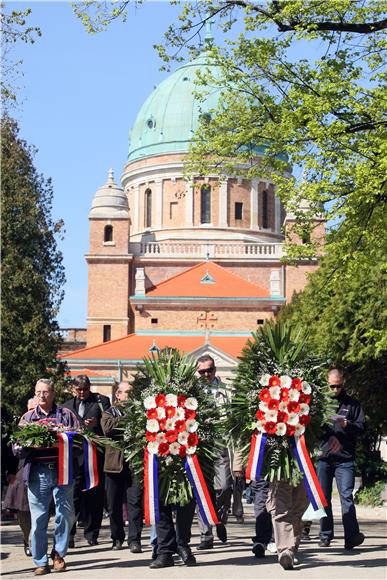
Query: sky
pixel 78 99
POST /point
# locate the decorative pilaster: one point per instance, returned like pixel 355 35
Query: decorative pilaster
pixel 158 203
pixel 223 204
pixel 189 210
pixel 254 205
pixel 136 217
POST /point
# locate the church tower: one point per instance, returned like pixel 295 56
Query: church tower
pixel 108 264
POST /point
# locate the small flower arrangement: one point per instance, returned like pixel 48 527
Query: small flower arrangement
pixel 284 405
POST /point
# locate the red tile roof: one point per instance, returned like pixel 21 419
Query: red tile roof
pixel 136 347
pixel 208 280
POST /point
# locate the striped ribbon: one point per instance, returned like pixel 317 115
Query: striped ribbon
pixel 312 484
pixel 65 458
pixel 196 478
pixel 255 462
pixel 90 463
pixel 151 489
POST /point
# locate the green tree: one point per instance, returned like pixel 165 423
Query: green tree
pixel 32 273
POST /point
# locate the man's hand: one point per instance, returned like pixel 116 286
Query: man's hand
pixel 11 478
pixel 237 474
pixel 334 444
pixel 90 422
pixel 342 421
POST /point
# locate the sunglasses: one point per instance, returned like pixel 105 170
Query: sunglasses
pixel 82 388
pixel 206 371
pixel 336 386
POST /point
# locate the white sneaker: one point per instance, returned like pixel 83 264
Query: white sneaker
pixel 271 547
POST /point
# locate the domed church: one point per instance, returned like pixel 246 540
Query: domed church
pixel 194 264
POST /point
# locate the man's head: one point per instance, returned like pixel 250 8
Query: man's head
pixel 336 381
pixel 122 392
pixel 81 386
pixel 205 367
pixel 45 393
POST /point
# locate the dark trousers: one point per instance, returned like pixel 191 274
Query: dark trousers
pixel 120 488
pixel 89 504
pixel 344 473
pixel 263 525
pixel 168 539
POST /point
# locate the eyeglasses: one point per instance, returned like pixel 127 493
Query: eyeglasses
pixel 42 394
pixel 82 388
pixel 206 371
pixel 336 386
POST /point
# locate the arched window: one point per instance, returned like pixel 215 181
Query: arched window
pixel 148 208
pixel 108 234
pixel 205 204
pixel 265 209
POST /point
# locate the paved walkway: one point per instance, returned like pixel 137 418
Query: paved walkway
pixel 233 560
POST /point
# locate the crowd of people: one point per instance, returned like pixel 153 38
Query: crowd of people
pixel 35 492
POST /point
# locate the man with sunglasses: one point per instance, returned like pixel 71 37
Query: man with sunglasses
pixel 337 460
pixel 88 408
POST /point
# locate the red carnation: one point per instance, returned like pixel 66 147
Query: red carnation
pixel 273 405
pixel 290 430
pixel 162 424
pixel 182 451
pixel 260 415
pixel 304 398
pixel 171 436
pixel 270 427
pixel 293 407
pixel 161 400
pixel 180 426
pixel 192 440
pixel 190 414
pixel 170 412
pixel 284 395
pixel 304 420
pixel 296 384
pixel 181 400
pixel 274 381
pixel 150 436
pixel 163 448
pixel 282 417
pixel 264 395
pixel 151 414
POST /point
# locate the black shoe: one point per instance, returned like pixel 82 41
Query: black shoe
pixel 205 545
pixel 240 519
pixel 117 545
pixel 92 542
pixel 285 560
pixel 163 561
pixel 135 547
pixel 356 540
pixel 27 550
pixel 221 532
pixel 186 555
pixel 259 550
pixel 71 542
pixel 154 552
pixel 324 543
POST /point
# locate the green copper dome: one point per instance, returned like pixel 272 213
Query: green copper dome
pixel 169 117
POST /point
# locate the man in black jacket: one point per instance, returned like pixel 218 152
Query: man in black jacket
pixel 88 408
pixel 337 460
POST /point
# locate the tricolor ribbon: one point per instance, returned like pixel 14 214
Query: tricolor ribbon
pixel 90 463
pixel 196 478
pixel 255 462
pixel 65 458
pixel 151 489
pixel 312 484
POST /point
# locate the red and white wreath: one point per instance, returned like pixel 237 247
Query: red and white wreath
pixel 171 424
pixel 284 405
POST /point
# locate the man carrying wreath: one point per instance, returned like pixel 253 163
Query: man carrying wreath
pixel 41 475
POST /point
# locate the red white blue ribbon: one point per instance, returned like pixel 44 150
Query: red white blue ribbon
pixel 255 462
pixel 203 498
pixel 312 484
pixel 65 459
pixel 151 489
pixel 90 463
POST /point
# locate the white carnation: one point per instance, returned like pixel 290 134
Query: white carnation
pixel 150 403
pixel 259 425
pixel 174 448
pixel 281 429
pixel 283 406
pixel 191 425
pixel 171 400
pixel 306 388
pixel 153 447
pixel 275 392
pixel 294 395
pixel 160 413
pixel 160 437
pixel 191 450
pixel 286 381
pixel 292 419
pixel 180 414
pixel 300 429
pixel 263 406
pixel 182 438
pixel 152 425
pixel 304 409
pixel 271 416
pixel 191 403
